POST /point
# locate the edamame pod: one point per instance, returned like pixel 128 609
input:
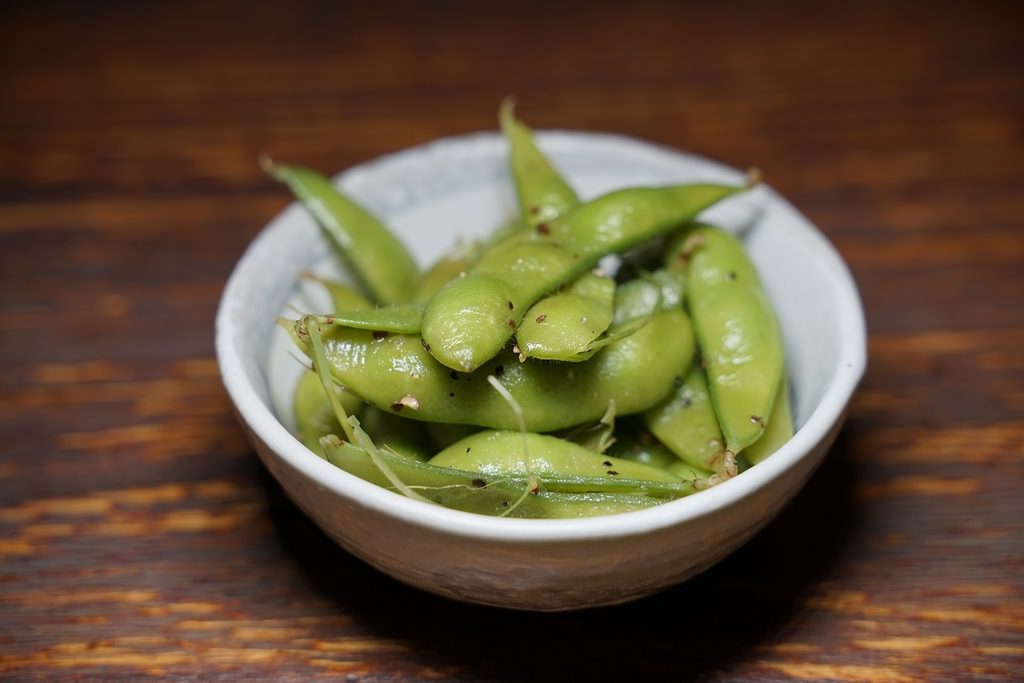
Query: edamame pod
pixel 543 193
pixel 396 319
pixel 686 423
pixel 642 447
pixel 563 326
pixel 313 413
pixel 447 268
pixel 407 438
pixel 470 319
pixel 377 258
pixel 699 476
pixel 778 431
pixel 737 333
pixel 397 373
pixel 514 454
pixel 471 492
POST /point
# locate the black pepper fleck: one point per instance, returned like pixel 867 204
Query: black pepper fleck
pixel 478 483
pixel 499 371
pixel 379 334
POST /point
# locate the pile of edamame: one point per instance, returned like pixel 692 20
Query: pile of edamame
pixel 516 378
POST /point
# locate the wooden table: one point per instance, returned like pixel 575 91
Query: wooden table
pixel 139 535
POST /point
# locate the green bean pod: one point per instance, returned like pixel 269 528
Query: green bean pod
pixel 472 492
pixel 470 319
pixel 395 319
pixel 314 416
pixel 686 423
pixel 737 333
pixel 543 193
pixel 398 373
pixel 778 431
pixel 642 447
pixel 377 258
pixel 446 269
pixel 563 326
pixel 514 454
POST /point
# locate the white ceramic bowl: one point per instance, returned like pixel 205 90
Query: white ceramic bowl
pixel 459 187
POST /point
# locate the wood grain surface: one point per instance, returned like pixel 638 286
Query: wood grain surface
pixel 140 537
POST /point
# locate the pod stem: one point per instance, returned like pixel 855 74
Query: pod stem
pixel 320 365
pixel 532 481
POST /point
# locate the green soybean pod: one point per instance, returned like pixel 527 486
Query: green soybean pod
pixel 395 319
pixel 472 492
pixel 778 431
pixel 470 319
pixel 642 447
pixel 688 472
pixel 737 333
pixel 377 258
pixel 510 453
pixel 446 269
pixel 564 325
pixel 407 438
pixel 543 193
pixel 686 423
pixel 395 372
pixel 314 416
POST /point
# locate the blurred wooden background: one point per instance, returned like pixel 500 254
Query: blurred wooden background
pixel 140 537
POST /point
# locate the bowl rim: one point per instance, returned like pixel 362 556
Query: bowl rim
pixel 847 373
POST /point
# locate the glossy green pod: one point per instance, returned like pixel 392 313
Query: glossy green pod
pixel 472 492
pixel 642 447
pixel 470 319
pixel 778 431
pixel 514 454
pixel 686 423
pixel 314 416
pixel 737 333
pixel 563 326
pixel 394 319
pixel 543 193
pixel 376 257
pixel 446 269
pixel 407 438
pixel 397 373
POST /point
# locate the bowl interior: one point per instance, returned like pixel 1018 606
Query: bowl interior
pixel 459 188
